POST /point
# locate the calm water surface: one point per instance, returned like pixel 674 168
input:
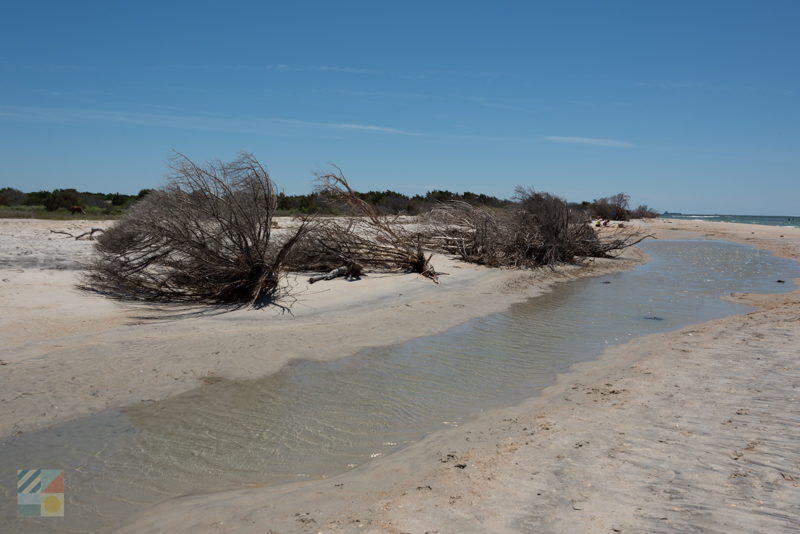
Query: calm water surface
pixel 787 221
pixel 315 419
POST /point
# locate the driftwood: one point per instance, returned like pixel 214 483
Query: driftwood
pixel 349 272
pixel 90 233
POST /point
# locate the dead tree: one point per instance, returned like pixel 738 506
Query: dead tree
pixel 365 238
pixel 538 229
pixel 204 238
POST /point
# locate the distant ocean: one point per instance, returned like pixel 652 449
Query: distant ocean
pixel 768 220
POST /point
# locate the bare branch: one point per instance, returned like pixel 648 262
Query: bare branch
pixel 366 237
pixel 90 233
pixel 539 229
pixel 205 237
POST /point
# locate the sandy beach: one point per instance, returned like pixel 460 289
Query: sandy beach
pixel 67 353
pixel 694 430
pixel 400 268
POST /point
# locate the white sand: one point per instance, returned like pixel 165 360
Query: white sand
pixel 695 430
pixel 66 353
pixel 692 431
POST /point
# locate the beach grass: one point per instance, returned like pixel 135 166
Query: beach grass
pixel 91 213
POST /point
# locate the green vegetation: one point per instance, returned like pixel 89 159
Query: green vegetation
pixel 61 204
pixel 40 212
pixel 58 204
pixel 65 204
pixel 386 202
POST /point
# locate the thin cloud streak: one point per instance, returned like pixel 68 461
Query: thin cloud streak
pixel 196 122
pixel 384 94
pixel 705 86
pixel 589 141
pixel 350 126
pixel 344 69
pixel 324 68
pixel 348 70
pixel 498 104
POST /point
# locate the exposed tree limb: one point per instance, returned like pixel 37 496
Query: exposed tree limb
pixel 90 233
pixel 350 272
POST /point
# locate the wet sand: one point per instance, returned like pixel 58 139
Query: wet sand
pixel 690 431
pixel 66 353
pixel 693 430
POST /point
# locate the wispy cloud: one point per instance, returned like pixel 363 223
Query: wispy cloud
pixel 367 127
pixel 253 125
pixel 688 85
pixel 282 67
pixel 415 74
pixel 589 103
pixel 682 84
pixel 498 104
pixel 347 70
pixel 350 126
pixel 385 94
pixel 590 141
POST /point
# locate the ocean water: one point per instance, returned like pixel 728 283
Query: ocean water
pixel 768 220
pixel 315 419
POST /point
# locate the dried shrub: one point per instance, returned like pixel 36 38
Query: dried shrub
pixel 613 208
pixel 206 238
pixel 365 239
pixel 643 212
pixel 472 233
pixel 538 229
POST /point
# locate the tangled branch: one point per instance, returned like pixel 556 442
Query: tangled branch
pixel 366 239
pixel 538 229
pixel 205 237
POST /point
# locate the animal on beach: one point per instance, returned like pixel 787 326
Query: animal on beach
pixel 76 209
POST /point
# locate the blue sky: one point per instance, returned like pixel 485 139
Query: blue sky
pixel 687 106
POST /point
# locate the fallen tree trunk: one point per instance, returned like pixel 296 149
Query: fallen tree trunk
pixel 350 272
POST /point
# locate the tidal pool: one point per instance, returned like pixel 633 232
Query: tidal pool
pixel 316 419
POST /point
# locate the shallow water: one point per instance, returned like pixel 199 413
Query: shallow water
pixel 786 221
pixel 317 419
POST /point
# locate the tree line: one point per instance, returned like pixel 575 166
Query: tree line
pixel 614 207
pixel 387 201
pixel 68 198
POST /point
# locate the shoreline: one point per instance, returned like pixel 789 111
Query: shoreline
pixel 377 496
pixel 605 448
pixel 70 354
